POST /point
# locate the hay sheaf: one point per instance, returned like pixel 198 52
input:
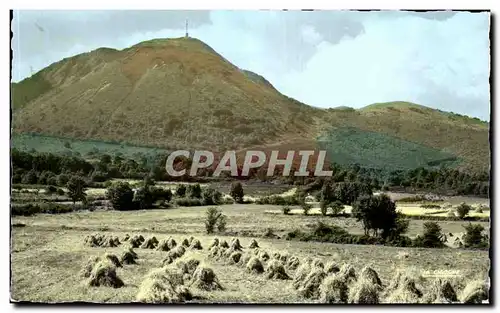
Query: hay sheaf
pixel 196 245
pixel 128 257
pixel 89 265
pixel 126 237
pixel 403 289
pixel 293 263
pixel 163 245
pixel 187 266
pixel 310 286
pixel 224 244
pixel 369 274
pixel 136 241
pixel 318 263
pixel 235 257
pixel 104 274
pixel 91 241
pixel 364 291
pixel 244 259
pixel 255 266
pixel 332 267
pixel 253 244
pixel 171 243
pixel 264 256
pixel 214 243
pixel 110 242
pixel 235 245
pixel 441 291
pixel 276 270
pixel 348 273
pixel 113 259
pixel 163 285
pixel 185 242
pixel 475 291
pixel 213 252
pixel 333 289
pixel 150 243
pixel 204 278
pixel 300 274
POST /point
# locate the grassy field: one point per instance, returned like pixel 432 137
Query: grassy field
pixel 48 253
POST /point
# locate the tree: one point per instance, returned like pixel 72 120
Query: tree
pixel 376 213
pixel 463 209
pixel 76 189
pixel 181 190
pixel 30 177
pixel 237 192
pixel 121 196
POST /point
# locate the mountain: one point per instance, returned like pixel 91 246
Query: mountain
pixel 180 93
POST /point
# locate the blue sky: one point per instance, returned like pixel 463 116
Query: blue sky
pixel 322 58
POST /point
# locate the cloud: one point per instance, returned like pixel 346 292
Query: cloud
pixel 322 58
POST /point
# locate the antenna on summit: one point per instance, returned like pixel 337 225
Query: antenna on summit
pixel 187 34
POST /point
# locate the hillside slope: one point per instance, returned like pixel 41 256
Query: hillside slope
pixel 180 93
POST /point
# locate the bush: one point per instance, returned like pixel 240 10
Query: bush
pixel 237 192
pixel 278 200
pixel 306 207
pixel 189 202
pixel 474 238
pixel 158 193
pixel 180 191
pixel 337 207
pixel 76 189
pixel 211 197
pixel 221 224
pixel 121 196
pixel 430 206
pixel 376 213
pixel 60 191
pixel 462 210
pixel 51 189
pixel 213 217
pixel 432 237
pixel 194 191
pixel 286 210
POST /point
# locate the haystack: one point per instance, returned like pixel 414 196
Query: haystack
pixel 364 291
pixel 224 244
pixel 204 278
pixel 163 285
pixel 253 244
pixel 191 240
pixel 310 286
pixel 475 291
pixel 333 289
pixel 196 245
pixel 108 242
pixel 275 270
pixel 370 275
pixel 163 245
pixel 185 242
pixel 213 252
pixel 104 274
pixel 244 259
pixel 187 266
pixel 150 243
pixel 135 241
pixel 255 266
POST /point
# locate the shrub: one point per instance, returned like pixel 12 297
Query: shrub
pixel 181 190
pixel 194 191
pixel 430 206
pixel 237 192
pixel 306 207
pixel 51 189
pixel 158 193
pixel 337 207
pixel 60 191
pixel 189 202
pixel 120 195
pixel 213 215
pixel 473 237
pixel 221 224
pixel 432 237
pixel 376 213
pixel 463 209
pixel 211 197
pixel 286 210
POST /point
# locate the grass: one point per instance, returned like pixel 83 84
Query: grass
pixel 45 263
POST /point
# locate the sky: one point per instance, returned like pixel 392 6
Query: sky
pixel 322 58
